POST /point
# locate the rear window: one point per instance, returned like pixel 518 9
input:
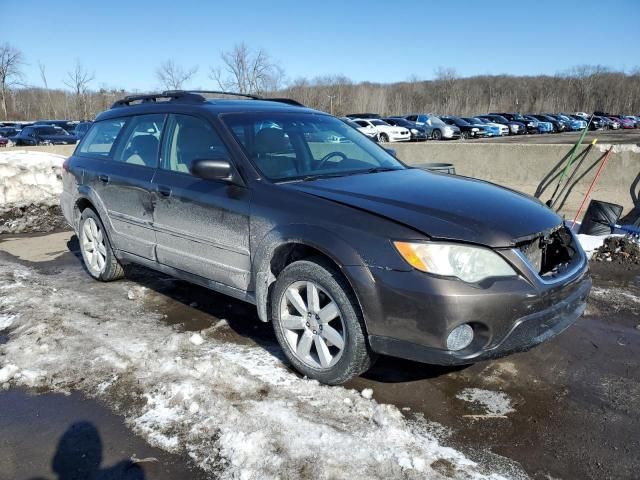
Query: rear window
pixel 101 137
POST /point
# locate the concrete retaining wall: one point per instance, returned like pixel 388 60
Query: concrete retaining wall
pixel 523 168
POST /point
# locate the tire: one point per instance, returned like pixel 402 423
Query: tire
pixel 383 138
pixel 465 135
pixel 436 134
pixel 306 338
pixel 96 250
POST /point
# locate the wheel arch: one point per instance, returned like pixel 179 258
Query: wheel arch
pixel 280 248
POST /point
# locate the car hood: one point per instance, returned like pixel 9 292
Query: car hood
pixel 441 206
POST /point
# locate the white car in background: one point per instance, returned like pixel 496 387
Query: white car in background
pixel 504 129
pixel 384 131
pixel 364 128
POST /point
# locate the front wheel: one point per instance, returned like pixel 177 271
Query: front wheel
pixel 383 138
pixel 436 135
pixel 318 322
pixel 465 135
pixel 96 249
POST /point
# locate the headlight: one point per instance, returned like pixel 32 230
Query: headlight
pixel 474 129
pixel 470 264
pixel 448 129
pixel 414 131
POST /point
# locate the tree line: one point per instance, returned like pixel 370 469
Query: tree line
pixel 242 69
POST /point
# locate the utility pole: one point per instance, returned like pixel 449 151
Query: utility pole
pixel 331 97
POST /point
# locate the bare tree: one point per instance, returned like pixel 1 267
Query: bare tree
pixel 172 76
pixel 11 62
pixel 43 76
pixel 78 81
pixel 246 71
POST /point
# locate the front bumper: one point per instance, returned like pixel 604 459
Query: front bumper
pixel 409 314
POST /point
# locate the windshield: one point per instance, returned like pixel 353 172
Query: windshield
pixel 379 122
pixel 500 118
pixel 436 121
pixel 51 131
pixel 517 117
pixel 400 122
pixel 459 122
pixel 472 121
pixel 302 146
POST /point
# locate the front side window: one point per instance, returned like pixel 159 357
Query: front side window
pixel 293 146
pixel 190 138
pixel 141 141
pixel 100 139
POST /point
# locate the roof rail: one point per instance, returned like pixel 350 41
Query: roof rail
pixel 170 95
pixel 288 101
pixel 192 96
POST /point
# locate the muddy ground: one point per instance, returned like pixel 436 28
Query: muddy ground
pixel 567 409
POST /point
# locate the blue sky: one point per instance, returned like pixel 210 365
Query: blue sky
pixel 123 42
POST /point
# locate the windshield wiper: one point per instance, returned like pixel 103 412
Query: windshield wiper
pixel 380 169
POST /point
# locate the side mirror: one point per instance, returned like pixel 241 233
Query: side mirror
pixel 212 169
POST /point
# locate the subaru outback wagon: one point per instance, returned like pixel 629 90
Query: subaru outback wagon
pixel 346 250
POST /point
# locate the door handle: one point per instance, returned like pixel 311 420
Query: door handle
pixel 164 190
pixel 103 178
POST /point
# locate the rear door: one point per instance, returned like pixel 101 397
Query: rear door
pixel 121 178
pixel 202 226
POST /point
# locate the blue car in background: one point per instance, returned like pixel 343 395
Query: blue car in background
pixel 574 124
pixel 543 127
pixel 490 130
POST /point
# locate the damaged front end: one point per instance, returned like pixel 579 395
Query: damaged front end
pixel 552 255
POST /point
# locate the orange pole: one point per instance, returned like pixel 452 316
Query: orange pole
pixel 595 180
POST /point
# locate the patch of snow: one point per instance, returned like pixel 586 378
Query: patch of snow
pixel 492 403
pixel 367 393
pixel 6 320
pixel 8 372
pixel 591 243
pixel 196 339
pixel 236 410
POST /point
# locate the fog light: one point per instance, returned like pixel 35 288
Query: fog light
pixel 460 337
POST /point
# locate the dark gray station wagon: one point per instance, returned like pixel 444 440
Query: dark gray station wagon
pixel 346 250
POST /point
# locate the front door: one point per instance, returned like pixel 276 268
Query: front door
pixel 202 226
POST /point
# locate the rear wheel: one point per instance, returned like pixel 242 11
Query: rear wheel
pixel 436 134
pixel 318 322
pixel 96 249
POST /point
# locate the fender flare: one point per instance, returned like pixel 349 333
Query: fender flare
pixel 325 241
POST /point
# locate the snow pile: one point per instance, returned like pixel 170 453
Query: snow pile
pixel 236 410
pixel 30 185
pixel 30 178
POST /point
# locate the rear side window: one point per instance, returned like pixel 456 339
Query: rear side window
pixel 100 139
pixel 190 138
pixel 141 141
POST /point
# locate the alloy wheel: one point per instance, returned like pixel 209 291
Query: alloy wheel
pixel 312 325
pixel 93 247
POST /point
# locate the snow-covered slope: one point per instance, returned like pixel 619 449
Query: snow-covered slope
pixel 30 184
pixel 29 178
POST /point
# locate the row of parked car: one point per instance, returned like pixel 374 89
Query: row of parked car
pixel 415 127
pixel 420 127
pixel 42 132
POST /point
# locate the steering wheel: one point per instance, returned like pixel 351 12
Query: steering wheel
pixel 329 155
